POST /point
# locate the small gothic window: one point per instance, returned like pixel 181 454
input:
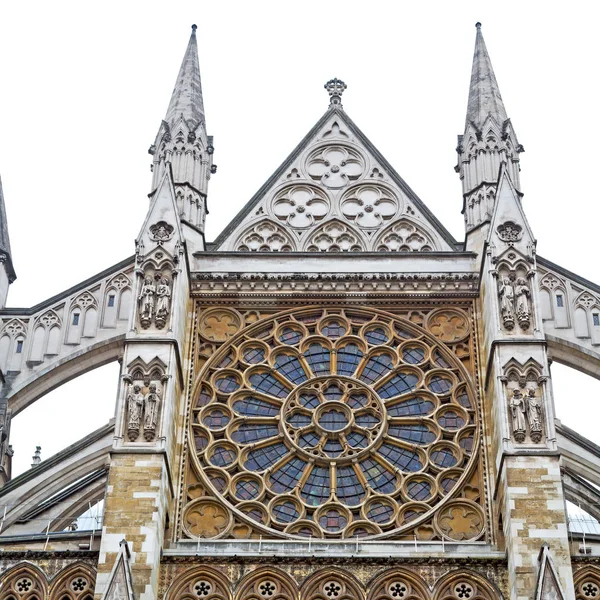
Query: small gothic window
pixel 111 300
pixel 560 300
pixel 596 317
pixel 20 345
pixel 75 318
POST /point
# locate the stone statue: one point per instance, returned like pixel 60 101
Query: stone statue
pixel 518 411
pixel 163 304
pixel 135 405
pixel 522 303
pixel 146 300
pixel 534 416
pixel 507 303
pixel 151 405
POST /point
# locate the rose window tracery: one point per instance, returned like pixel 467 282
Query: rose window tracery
pixel 336 425
pixel 301 205
pixel 335 166
pixel 369 205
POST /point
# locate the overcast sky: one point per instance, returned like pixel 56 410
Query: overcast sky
pixel 84 86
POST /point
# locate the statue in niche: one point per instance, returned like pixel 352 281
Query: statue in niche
pixel 507 303
pixel 135 406
pixel 151 405
pixel 146 300
pixel 534 416
pixel 163 303
pixel 522 302
pixel 518 412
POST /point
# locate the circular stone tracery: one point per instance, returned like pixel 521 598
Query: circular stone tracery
pixel 344 424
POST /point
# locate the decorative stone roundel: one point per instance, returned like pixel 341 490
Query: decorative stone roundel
pixel 369 205
pixel 343 424
pixel 300 205
pixel 335 166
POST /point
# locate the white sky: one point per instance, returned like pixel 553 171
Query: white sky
pixel 85 85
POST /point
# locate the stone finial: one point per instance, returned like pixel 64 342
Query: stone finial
pixel 478 25
pixel 335 88
pixel 36 459
pixel 194 27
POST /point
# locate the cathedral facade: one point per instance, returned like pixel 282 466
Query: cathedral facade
pixel 333 400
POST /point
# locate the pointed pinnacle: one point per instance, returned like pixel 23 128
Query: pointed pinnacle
pixel 484 93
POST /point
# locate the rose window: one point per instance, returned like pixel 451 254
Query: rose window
pixel 335 166
pixel 334 425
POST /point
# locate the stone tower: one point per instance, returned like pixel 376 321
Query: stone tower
pixel 333 400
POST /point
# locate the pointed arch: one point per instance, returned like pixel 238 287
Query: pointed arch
pixel 117 301
pixel 267 582
pixel 464 584
pixel 587 583
pixel 200 582
pixel 265 236
pixel 393 584
pixel 83 317
pixel 554 300
pixel 329 583
pixel 75 582
pixel 24 581
pixel 405 235
pixel 335 236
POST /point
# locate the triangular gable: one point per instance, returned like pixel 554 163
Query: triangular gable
pixel 335 179
pixel 548 585
pixel 120 585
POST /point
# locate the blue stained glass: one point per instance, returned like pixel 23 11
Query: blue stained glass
pixel 298 420
pixel 376 367
pixel 290 367
pixel 379 477
pixel 204 397
pixel 439 385
pixel 443 457
pixel 413 355
pixel 333 520
pixel 334 330
pixel 398 384
pixel 357 440
pixel 348 358
pixel 227 384
pixel 332 448
pixel 466 443
pixel 250 433
pixel 267 384
pixel 349 489
pixel 357 401
pixel 451 420
pixel 448 483
pixel 333 420
pixel 376 336
pixel 333 392
pixel 290 336
pixel 254 407
pixel 319 359
pixel 419 490
pixel 411 407
pixel 463 400
pixel 380 512
pixel 254 355
pixel 222 456
pixel 309 440
pixel 309 401
pixel 216 419
pixel 285 478
pixel 263 458
pixel 285 512
pixel 414 434
pixel 367 420
pixel 402 459
pixel 247 489
pixel 403 333
pixel 316 488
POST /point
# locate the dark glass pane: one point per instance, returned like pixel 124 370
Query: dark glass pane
pixel 222 456
pixel 333 520
pixel 290 336
pixel 333 448
pixel 448 483
pixel 334 329
pixel 443 458
pixel 285 478
pixel 216 419
pixel 349 489
pixel 298 420
pixel 316 488
pixel 379 478
pixel 201 441
pixel 219 482
pixel 419 490
pixel 451 420
pixel 204 398
pixel 357 440
pixel 413 433
pixel 290 367
pixel 267 384
pixel 333 392
pixel 464 400
pixel 285 512
pixel 348 358
pixel 246 489
pixel 250 433
pixel 254 407
pixel 413 355
pixel 376 367
pixel 403 333
pixel 263 458
pixel 357 401
pixel 254 355
pixel 309 440
pixel 466 443
pixel 309 401
pixel 380 512
pixel 411 407
pixel 227 384
pixel 398 384
pixel 367 420
pixel 401 458
pixel 376 336
pixel 319 359
pixel 440 385
pixel 440 361
pixel 333 420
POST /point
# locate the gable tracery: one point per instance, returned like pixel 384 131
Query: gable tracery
pixel 404 236
pixel 335 236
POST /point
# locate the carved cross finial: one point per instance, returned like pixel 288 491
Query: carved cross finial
pixel 335 88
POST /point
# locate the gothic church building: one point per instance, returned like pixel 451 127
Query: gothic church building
pixel 333 400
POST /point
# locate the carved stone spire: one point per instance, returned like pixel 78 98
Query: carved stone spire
pixel 187 99
pixel 182 147
pixel 489 141
pixel 484 93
